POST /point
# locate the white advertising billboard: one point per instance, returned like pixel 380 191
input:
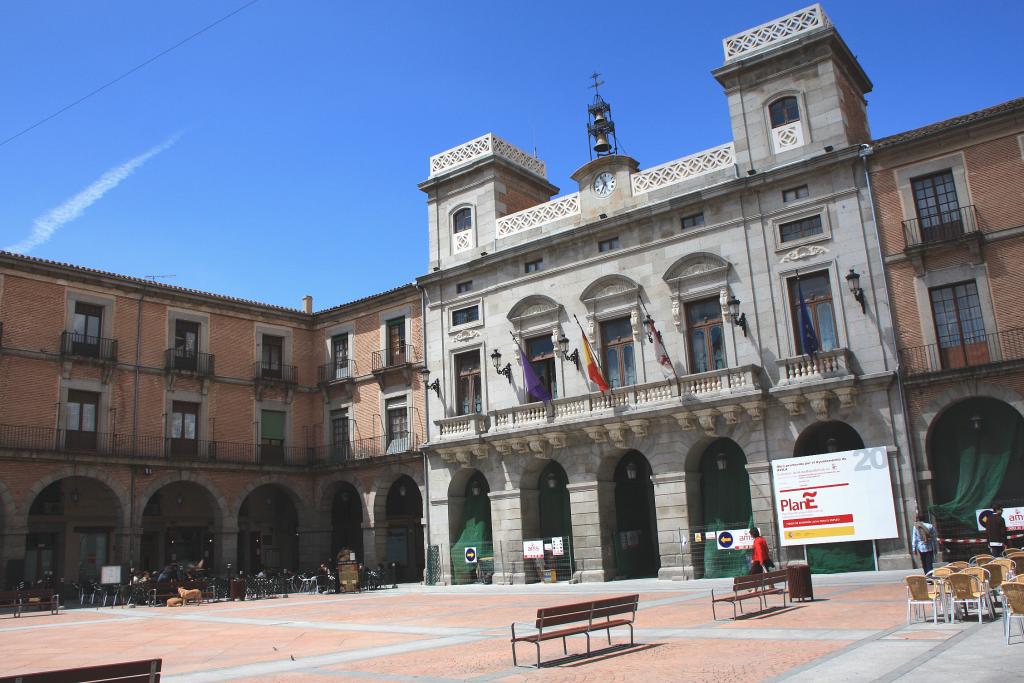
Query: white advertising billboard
pixel 834 497
pixel 1014 518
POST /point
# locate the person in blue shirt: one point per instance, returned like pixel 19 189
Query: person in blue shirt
pixel 924 542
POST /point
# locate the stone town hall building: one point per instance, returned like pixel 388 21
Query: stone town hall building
pixel 142 424
pixel 781 208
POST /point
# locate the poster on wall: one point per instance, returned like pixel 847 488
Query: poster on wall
pixel 110 574
pixel 533 550
pixel 1014 518
pixel 735 539
pixel 834 497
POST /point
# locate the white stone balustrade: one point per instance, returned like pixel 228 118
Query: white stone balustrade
pixel 461 426
pixel 701 163
pixel 485 145
pixel 535 216
pixel 774 32
pixel 789 136
pixel 824 365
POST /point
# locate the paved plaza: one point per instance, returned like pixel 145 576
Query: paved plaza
pixel 855 630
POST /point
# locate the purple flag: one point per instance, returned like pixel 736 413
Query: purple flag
pixel 534 384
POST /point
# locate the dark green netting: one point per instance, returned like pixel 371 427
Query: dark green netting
pixel 636 542
pixel 555 516
pixel 726 497
pixel 970 464
pixel 835 558
pixel 476 532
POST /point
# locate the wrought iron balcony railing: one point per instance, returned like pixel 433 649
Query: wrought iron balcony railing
pixel 275 372
pixel 974 351
pixel 338 370
pixel 940 227
pixel 189 361
pixel 86 346
pixel 394 357
pixel 71 442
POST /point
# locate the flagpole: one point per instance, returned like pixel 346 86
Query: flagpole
pixel 591 354
pixel 660 339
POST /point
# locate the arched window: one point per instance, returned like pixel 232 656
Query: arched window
pixel 784 110
pixel 462 220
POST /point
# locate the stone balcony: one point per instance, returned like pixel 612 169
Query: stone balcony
pixel 815 380
pixel 692 401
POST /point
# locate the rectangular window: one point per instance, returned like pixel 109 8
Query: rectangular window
pixel 959 328
pixel 272 437
pixel 938 208
pixel 184 421
pixel 541 351
pixel 397 425
pixel 693 221
pixel 817 293
pixel 617 345
pixel 396 341
pixel 608 245
pixel 273 356
pixel 805 227
pixel 534 266
pixel 86 328
pixel 186 344
pixel 795 193
pixel 339 357
pixel 464 316
pixel 81 418
pixel 463 287
pixel 340 445
pixel 467 376
pixel 704 332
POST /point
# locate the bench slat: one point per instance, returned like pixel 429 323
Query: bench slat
pixel 125 671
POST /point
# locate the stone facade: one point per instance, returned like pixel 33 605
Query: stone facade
pixel 91 439
pixel 616 257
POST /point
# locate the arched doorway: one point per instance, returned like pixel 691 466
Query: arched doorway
pixel 178 522
pixel 474 531
pixel 555 514
pixel 832 558
pixel 725 504
pixel 636 537
pixel 267 531
pixel 347 521
pixel 71 531
pixel 976 454
pixel 404 514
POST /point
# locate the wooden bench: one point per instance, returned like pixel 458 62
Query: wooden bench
pixel 40 598
pixel 580 618
pixel 125 672
pixel 751 587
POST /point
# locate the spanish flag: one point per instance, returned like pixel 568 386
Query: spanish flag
pixel 593 369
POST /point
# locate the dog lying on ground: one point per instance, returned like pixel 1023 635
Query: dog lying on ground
pixel 175 602
pixel 194 595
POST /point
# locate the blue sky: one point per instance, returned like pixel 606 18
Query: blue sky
pixel 277 154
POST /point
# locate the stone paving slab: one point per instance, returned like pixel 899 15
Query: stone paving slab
pixel 855 631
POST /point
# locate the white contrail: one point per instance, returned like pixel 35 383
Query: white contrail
pixel 47 224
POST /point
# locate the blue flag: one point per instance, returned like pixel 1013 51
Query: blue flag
pixel 534 384
pixel 808 337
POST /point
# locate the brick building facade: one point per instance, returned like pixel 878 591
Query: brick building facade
pixel 950 207
pixel 142 424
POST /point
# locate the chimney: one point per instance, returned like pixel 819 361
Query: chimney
pixel 307 304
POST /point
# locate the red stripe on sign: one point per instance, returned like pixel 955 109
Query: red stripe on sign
pixel 808 488
pixel 815 521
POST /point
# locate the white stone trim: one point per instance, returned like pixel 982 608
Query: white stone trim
pixel 484 146
pixel 688 167
pixel 775 32
pixel 562 207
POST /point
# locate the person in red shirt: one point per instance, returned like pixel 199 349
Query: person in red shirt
pixel 760 562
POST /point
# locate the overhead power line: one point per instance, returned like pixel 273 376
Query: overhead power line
pixel 149 61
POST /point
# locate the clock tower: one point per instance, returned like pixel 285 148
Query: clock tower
pixel 604 181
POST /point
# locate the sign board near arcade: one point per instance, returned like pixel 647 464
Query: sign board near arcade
pixel 834 497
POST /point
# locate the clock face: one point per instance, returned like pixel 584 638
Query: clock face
pixel 604 183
